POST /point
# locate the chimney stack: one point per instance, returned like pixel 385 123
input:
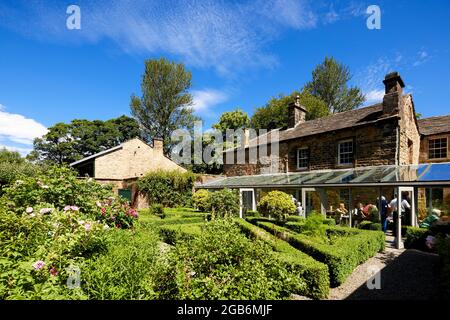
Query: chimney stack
pixel 297 113
pixel 158 145
pixel 393 93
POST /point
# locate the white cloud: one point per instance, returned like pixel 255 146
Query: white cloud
pixel 422 57
pixel 374 96
pixel 223 35
pixel 205 99
pixel 15 128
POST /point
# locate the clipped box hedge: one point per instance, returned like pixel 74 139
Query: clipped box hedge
pixel 342 257
pixel 313 273
pixel 172 233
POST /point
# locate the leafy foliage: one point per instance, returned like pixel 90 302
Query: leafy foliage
pixel 66 143
pixel 201 200
pixel 224 203
pixel 165 105
pixel 221 263
pixel 277 204
pixel 169 188
pixel 13 166
pixel 274 114
pixel 329 83
pixel 235 119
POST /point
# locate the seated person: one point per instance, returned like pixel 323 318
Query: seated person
pixel 431 218
pixel 341 212
pixel 361 214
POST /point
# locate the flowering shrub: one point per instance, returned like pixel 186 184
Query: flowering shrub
pixel 116 212
pixel 40 244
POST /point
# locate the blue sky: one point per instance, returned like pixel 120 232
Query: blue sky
pixel 240 53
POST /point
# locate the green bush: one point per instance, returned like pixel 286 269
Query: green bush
pixel 314 226
pixel 221 263
pixel 369 225
pixel 169 188
pixel 415 238
pixel 314 273
pixel 349 248
pixel 134 267
pixel 224 203
pixel 38 248
pixel 157 209
pixel 277 204
pixel 201 200
pixel 251 213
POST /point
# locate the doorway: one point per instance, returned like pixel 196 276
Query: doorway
pixel 248 201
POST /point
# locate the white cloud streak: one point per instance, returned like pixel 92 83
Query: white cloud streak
pixel 219 34
pixel 205 100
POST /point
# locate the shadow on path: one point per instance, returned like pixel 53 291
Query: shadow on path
pixel 413 275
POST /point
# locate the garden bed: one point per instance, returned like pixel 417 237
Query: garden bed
pixel 314 273
pixel 347 249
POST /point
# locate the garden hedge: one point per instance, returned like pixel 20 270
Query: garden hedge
pixel 172 233
pixel 444 255
pixel 313 272
pixel 343 256
pixel 369 225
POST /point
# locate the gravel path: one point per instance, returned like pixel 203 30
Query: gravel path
pixel 404 275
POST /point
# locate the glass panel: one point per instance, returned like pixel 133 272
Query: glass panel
pixel 312 203
pixel 247 200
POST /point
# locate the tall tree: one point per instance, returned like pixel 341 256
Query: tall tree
pixel 235 119
pixel 65 143
pixel 274 114
pixel 165 104
pixel 329 83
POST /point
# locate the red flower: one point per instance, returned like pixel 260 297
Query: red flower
pixel 103 210
pixel 53 272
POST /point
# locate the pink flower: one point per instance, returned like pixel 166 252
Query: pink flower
pixel 113 218
pixel 98 203
pixel 53 272
pixel 430 242
pixel 29 210
pixel 74 208
pixel 38 265
pixel 66 208
pixel 103 210
pixel 87 226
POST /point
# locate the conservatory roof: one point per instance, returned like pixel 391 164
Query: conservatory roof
pixel 407 175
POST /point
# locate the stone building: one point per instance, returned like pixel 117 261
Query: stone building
pixel 122 165
pixel 347 159
pixel 386 133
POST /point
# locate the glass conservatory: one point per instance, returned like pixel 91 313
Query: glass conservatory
pixel 426 186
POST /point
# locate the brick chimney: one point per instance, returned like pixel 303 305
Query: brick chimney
pixel 158 145
pixel 297 113
pixel 393 93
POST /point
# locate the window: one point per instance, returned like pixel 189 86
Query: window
pixel 303 158
pixel 437 148
pixel 345 149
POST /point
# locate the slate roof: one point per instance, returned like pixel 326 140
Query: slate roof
pixel 434 125
pixel 338 121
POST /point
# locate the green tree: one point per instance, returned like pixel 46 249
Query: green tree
pixel 13 166
pixel 165 104
pixel 329 83
pixel 235 119
pixel 274 114
pixel 65 143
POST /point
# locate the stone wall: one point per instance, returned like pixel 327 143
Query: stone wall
pixel 423 158
pixel 135 159
pixel 409 133
pixel 374 145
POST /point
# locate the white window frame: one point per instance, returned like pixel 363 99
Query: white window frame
pixel 339 152
pixel 446 147
pixel 298 158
